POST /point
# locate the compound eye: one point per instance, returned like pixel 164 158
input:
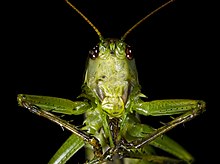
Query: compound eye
pixel 129 54
pixel 93 54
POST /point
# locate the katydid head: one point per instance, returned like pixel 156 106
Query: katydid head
pixel 111 74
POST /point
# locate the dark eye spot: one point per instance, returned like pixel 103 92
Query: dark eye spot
pixel 129 54
pixel 100 93
pixel 93 53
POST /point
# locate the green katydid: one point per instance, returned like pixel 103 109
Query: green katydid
pixel 111 101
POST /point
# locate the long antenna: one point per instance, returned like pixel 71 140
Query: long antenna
pixel 143 19
pixel 86 19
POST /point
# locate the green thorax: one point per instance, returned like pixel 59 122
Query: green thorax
pixel 111 75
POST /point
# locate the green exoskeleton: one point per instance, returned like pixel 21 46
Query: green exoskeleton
pixel 111 101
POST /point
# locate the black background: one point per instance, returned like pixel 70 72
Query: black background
pixel 52 42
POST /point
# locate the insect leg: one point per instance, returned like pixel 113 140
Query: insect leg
pixel 26 102
pixel 189 108
pixel 54 104
pixel 67 150
pixel 135 132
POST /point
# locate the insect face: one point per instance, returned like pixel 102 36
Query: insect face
pixel 111 75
